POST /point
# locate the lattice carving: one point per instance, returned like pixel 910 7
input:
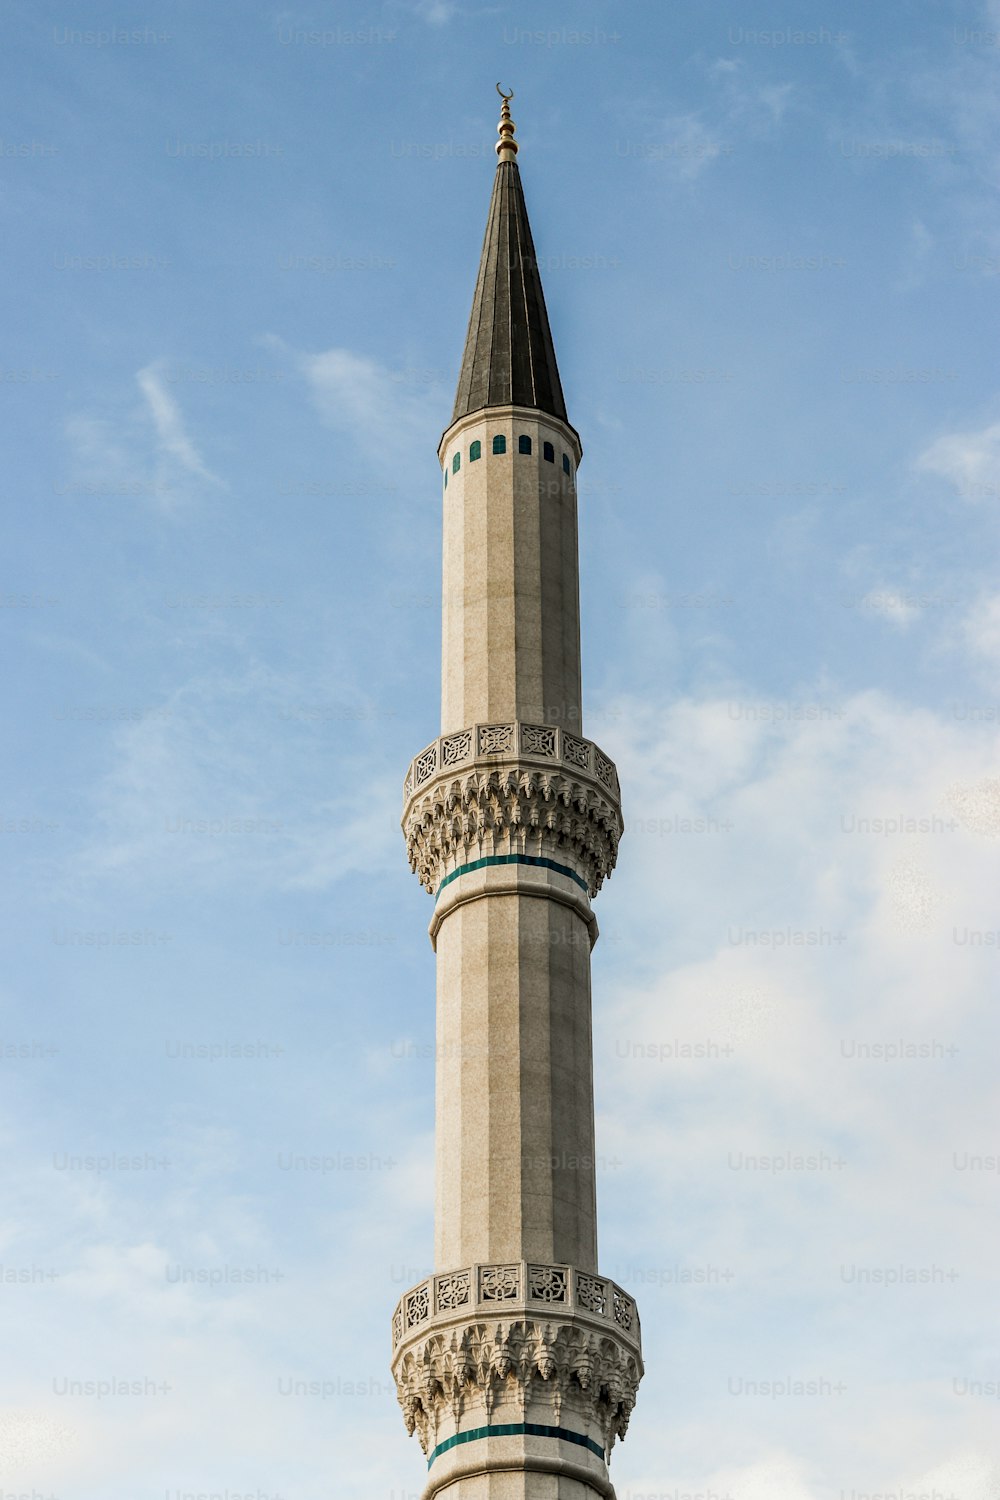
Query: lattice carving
pixel 500 1283
pixel 453 1291
pixel 456 748
pixel 418 1306
pixel 605 770
pixel 538 739
pixel 425 765
pixel 576 752
pixel 548 1284
pixel 482 1364
pixel 592 1294
pixel 495 739
pixel 624 1310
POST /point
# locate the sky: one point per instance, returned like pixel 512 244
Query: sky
pixel 241 244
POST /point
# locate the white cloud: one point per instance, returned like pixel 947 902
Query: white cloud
pixel 688 145
pixel 917 256
pixel 100 455
pixel 723 67
pixel 436 12
pixel 778 1477
pixel 970 1475
pixel 892 604
pixel 981 629
pixel 208 1359
pixel 386 412
pixel 976 805
pixel 31 1438
pixel 774 100
pixel 823 919
pixel 968 460
pixel 913 896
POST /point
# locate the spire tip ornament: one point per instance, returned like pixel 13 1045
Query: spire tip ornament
pixel 506 147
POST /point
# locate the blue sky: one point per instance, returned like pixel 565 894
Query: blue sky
pixel 241 248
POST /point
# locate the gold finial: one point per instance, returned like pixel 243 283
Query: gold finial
pixel 506 145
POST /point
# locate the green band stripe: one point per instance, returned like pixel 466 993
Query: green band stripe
pixel 514 859
pixel 517 1429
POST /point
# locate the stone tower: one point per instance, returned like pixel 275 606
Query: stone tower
pixel 517 1362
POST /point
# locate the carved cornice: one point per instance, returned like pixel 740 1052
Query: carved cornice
pixel 512 788
pixel 483 1366
pixel 516 1333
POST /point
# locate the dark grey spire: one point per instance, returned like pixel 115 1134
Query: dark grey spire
pixel 509 357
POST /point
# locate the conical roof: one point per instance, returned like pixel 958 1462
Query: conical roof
pixel 509 356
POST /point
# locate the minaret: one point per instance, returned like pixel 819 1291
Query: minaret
pixel 517 1362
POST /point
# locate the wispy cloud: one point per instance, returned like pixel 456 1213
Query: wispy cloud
pixel 436 12
pixel 685 144
pixel 192 786
pixel 173 443
pixel 143 451
pixel 748 103
pixel 387 412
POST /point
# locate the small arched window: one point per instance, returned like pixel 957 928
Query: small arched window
pixel 524 443
pixel 499 443
pixel 456 463
pixel 446 476
pixel 475 451
pixel 548 453
pixel 566 467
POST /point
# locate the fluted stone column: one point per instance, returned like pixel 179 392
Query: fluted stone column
pixel 516 1362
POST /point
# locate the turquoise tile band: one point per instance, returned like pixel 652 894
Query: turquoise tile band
pixel 517 1429
pixel 514 859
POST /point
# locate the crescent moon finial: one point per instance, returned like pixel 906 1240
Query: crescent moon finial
pixel 506 145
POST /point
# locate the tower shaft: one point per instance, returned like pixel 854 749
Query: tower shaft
pixel 511 588
pixel 515 1113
